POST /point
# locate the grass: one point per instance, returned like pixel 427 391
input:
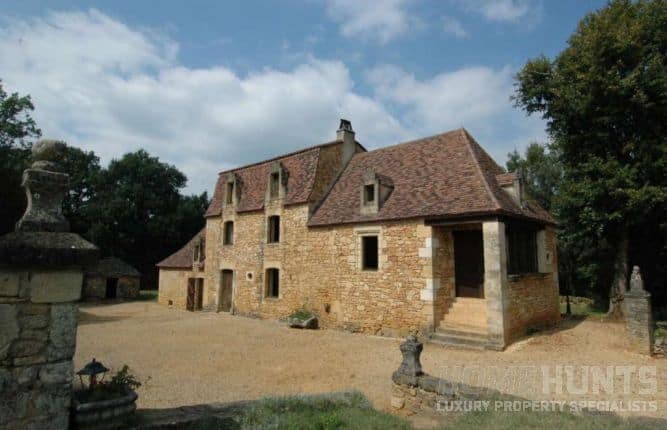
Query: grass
pixel 539 420
pixel 354 412
pixel 582 307
pixel 147 296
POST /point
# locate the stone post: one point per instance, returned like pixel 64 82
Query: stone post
pixel 41 275
pixel 638 314
pixel 495 282
pixel 411 366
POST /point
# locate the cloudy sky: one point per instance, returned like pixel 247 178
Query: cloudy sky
pixel 208 85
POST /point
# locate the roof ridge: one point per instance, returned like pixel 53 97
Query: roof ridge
pixel 409 142
pixel 279 157
pixel 469 140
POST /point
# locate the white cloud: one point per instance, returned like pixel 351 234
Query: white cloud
pixel 103 86
pixel 453 26
pixel 499 10
pixel 379 20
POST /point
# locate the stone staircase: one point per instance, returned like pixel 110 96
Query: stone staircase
pixel 464 324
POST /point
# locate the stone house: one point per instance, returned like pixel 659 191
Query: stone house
pixel 427 236
pixel 111 278
pixel 181 275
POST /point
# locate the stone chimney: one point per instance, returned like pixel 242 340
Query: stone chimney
pixel 345 134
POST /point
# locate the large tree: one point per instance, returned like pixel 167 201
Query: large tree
pixel 605 101
pixel 541 171
pixel 17 130
pixel 138 213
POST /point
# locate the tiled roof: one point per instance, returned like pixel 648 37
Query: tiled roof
pixel 447 175
pixel 112 268
pixel 183 258
pixel 301 167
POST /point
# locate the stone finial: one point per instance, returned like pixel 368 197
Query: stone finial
pixel 411 350
pixel 45 188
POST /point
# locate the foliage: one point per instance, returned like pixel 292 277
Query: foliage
pixel 17 130
pixel 83 168
pixel 119 385
pixel 302 314
pixel 604 101
pixel 541 171
pixel 319 413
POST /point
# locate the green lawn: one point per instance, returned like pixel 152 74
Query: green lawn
pixel 147 295
pixel 354 412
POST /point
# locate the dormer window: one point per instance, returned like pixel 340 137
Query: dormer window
pixel 232 190
pixel 277 182
pixel 375 190
pixel 369 193
pixel 274 187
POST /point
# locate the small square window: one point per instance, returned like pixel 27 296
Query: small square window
pixel 274 185
pixel 229 195
pixel 272 283
pixel 228 238
pixel 369 252
pixel 274 229
pixel 369 193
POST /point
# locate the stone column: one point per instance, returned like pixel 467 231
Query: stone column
pixel 41 274
pixel 638 314
pixel 495 282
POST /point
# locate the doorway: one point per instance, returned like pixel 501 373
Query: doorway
pixel 111 291
pixel 227 283
pixel 195 297
pixel 469 263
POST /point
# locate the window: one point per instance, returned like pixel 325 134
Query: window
pixel 274 185
pixel 229 195
pixel 274 229
pixel 521 250
pixel 369 193
pixel 272 283
pixel 228 238
pixel 369 253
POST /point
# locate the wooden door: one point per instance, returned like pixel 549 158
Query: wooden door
pixel 199 294
pixel 190 305
pixel 227 282
pixel 469 263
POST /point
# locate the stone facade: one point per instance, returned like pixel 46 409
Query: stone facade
pixel 319 196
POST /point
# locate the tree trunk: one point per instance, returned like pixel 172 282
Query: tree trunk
pixel 619 285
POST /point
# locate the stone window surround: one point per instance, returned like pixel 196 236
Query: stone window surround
pixel 229 216
pixel 226 242
pixel 359 233
pixel 283 176
pixel 265 281
pixel 235 182
pixel 267 228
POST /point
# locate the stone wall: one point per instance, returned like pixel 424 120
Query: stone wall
pixel 533 299
pixel 95 287
pixel 320 270
pixel 173 290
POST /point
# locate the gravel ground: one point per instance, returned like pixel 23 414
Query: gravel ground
pixel 192 358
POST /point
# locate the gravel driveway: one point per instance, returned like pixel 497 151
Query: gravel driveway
pixel 202 357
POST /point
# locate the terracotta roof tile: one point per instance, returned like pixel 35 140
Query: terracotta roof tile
pixel 112 267
pixel 183 258
pixel 301 166
pixel 446 175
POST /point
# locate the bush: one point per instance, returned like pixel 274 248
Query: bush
pixel 120 384
pixel 302 314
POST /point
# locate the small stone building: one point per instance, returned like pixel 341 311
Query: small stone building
pixel 111 278
pixel 428 236
pixel 181 277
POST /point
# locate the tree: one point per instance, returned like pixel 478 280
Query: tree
pixel 138 213
pixel 541 171
pixel 604 99
pixel 17 130
pixel 83 168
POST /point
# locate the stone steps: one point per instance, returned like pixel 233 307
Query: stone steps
pixel 468 312
pixel 467 340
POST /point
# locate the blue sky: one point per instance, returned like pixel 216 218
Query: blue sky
pixel 207 85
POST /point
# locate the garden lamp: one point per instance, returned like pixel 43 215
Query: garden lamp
pixel 92 370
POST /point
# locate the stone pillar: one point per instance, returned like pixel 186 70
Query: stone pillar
pixel 41 274
pixel 638 314
pixel 495 282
